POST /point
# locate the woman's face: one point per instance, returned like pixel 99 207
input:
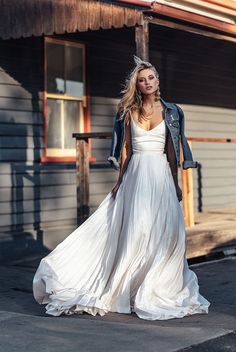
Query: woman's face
pixel 147 82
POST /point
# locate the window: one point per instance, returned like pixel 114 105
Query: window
pixel 65 96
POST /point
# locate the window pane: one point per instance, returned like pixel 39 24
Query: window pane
pixel 55 68
pixel 71 121
pixel 53 118
pixel 74 71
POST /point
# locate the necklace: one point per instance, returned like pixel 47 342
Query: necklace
pixel 152 110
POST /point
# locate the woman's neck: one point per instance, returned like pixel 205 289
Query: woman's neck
pixel 150 100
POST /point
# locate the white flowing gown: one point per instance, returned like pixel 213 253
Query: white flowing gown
pixel 130 254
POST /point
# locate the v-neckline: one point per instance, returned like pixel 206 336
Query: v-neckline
pixel 163 114
pixel 151 128
pixel 143 128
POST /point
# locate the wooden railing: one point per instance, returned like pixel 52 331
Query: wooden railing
pixel 82 174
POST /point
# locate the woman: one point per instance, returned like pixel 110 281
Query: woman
pixel 130 254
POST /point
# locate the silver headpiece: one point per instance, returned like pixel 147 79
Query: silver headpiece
pixel 139 61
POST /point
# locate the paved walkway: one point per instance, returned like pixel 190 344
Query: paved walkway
pixel 25 327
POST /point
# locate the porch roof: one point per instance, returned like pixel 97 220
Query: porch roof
pixel 215 15
pixel 25 18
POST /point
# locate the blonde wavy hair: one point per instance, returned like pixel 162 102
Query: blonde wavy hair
pixel 131 100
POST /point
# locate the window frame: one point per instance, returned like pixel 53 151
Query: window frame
pixel 85 121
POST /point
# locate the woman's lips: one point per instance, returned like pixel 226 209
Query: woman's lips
pixel 149 87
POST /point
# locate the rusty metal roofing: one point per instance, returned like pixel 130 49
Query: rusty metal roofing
pixel 24 18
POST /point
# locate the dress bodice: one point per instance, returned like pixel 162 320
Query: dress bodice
pixel 148 141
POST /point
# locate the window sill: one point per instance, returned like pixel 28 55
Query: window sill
pixel 63 159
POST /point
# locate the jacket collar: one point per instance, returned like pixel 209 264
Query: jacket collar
pixel 167 105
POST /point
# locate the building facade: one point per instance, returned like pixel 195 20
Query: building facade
pixel 62 70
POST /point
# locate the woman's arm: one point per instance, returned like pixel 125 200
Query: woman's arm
pixel 125 156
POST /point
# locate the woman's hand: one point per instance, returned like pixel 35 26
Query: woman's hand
pixel 179 193
pixel 115 189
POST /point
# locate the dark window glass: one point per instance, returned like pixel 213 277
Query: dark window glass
pixel 55 68
pixel 74 71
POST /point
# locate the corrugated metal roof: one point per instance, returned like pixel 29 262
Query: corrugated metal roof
pixel 24 18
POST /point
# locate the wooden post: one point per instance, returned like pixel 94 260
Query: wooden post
pixel 82 171
pixel 82 177
pixel 142 40
pixel 187 187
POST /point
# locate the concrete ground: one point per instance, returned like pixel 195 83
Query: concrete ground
pixel 24 326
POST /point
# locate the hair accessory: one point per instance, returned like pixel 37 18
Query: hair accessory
pixel 139 62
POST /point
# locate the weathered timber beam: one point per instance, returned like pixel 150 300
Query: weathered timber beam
pixel 142 40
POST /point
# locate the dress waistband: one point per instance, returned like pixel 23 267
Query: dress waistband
pixel 149 152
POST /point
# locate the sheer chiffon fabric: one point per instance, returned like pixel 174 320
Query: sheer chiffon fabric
pixel 130 254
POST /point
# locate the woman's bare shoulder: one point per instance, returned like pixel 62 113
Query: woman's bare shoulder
pixel 134 115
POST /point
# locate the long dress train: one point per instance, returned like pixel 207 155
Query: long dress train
pixel 130 254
